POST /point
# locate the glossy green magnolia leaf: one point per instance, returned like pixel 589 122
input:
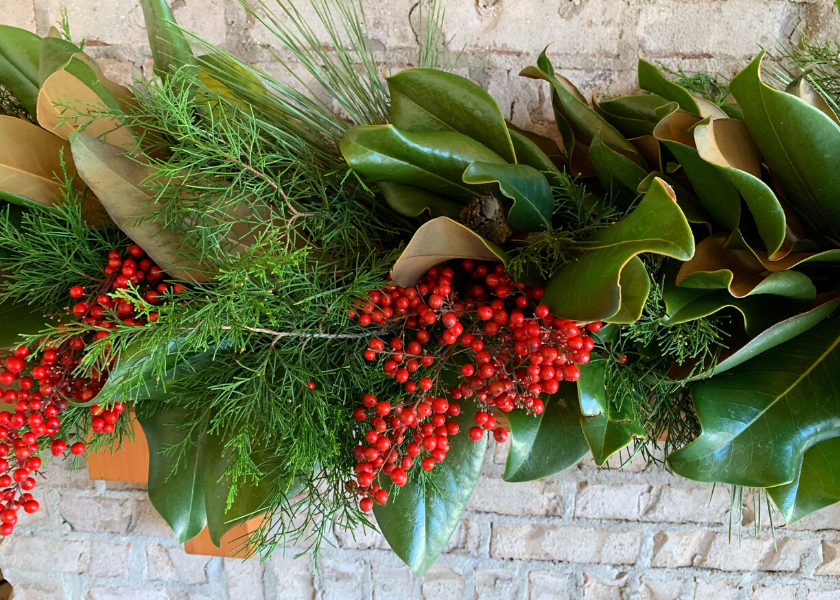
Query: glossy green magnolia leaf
pixel 177 461
pixel 170 49
pixel 583 120
pixel 430 100
pixel 760 418
pixel 251 498
pixel 18 318
pixel 432 161
pixel 53 54
pixel 116 180
pixel 799 143
pixel 437 241
pixel 727 144
pixel 720 198
pixel 606 429
pixel 771 337
pixel 413 201
pixel 588 289
pixel 420 517
pixel 652 80
pixel 545 444
pixel 19 51
pixel 815 485
pixel 635 287
pixel 689 203
pixel 533 150
pixel 617 173
pixel 533 203
pixel 802 89
pixel 632 116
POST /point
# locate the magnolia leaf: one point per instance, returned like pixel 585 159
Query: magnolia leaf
pixel 17 319
pixel 617 173
pixel 412 201
pixel 430 100
pixel 606 429
pixel 19 65
pixel 815 485
pixel 635 287
pixel 799 143
pixel 54 54
pixel 652 80
pixel 545 444
pixel 176 479
pixel 770 409
pixel 170 49
pixel 420 517
pixel 251 498
pixel 437 241
pixel 432 161
pixel 692 208
pixel 584 121
pixel 776 334
pixel 588 288
pixel 803 90
pixel 116 180
pixel 30 163
pixel 632 116
pixel 726 143
pixel 718 196
pixel 533 150
pixel 71 97
pixel 533 203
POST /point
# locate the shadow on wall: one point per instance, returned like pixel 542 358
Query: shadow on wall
pixel 6 592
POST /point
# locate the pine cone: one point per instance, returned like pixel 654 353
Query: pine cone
pixel 488 218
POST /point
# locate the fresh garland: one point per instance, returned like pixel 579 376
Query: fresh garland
pixel 316 309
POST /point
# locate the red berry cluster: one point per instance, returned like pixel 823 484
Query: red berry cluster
pixel 39 386
pixel 509 347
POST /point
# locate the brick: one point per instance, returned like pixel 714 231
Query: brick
pixel 567 544
pixel 28 520
pixel 547 585
pixel 147 521
pixel 610 501
pixel 823 595
pixel 342 580
pixel 500 451
pixel 61 474
pixel 595 588
pixel 391 583
pixel 730 28
pixel 109 560
pixel 654 589
pixel 498 584
pixel 294 577
pixel 244 578
pixel 360 539
pixel 174 564
pixel 785 592
pixel 116 22
pixel 827 518
pixel 122 593
pixel 716 590
pixel 20 13
pixel 668 504
pixel 203 18
pixel 41 554
pixel 531 498
pixel 465 540
pixel 751 554
pixel 442 582
pixel 94 514
pixel 830 564
pixel 679 549
pixel 119 71
pixel 42 589
pixel 586 81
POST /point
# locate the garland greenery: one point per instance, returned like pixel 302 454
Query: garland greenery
pixel 316 305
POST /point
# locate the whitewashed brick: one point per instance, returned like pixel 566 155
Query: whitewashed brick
pixel 61 474
pixel 109 560
pixel 119 71
pixel 823 595
pixel 497 584
pixel 203 18
pixel 174 564
pixel 529 498
pixel 827 518
pixel 116 22
pixel 342 580
pixel 122 593
pixel 20 13
pixel 244 578
pixel 442 582
pixel 391 583
pixel 94 514
pixel 567 544
pixel 465 540
pixel 784 592
pixel 830 564
pixel 547 585
pixel 716 590
pixel 680 549
pixel 610 502
pixel 34 554
pixel 751 554
pixel 595 588
pixel 42 589
pixel 655 589
pixel 669 504
pixel 294 577
pixel 360 538
pixel 147 522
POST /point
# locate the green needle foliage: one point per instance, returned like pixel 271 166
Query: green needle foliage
pixel 701 84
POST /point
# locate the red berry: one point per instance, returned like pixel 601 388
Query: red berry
pixel 360 414
pixel 399 477
pixel 428 464
pixel 78 448
pixel 31 506
pixel 77 291
pixel 476 433
pixel 366 504
pixel 500 435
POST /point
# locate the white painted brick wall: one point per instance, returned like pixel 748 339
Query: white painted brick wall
pixel 640 534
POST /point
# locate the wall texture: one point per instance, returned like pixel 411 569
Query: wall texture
pixel 639 534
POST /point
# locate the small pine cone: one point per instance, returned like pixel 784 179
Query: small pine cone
pixel 488 218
